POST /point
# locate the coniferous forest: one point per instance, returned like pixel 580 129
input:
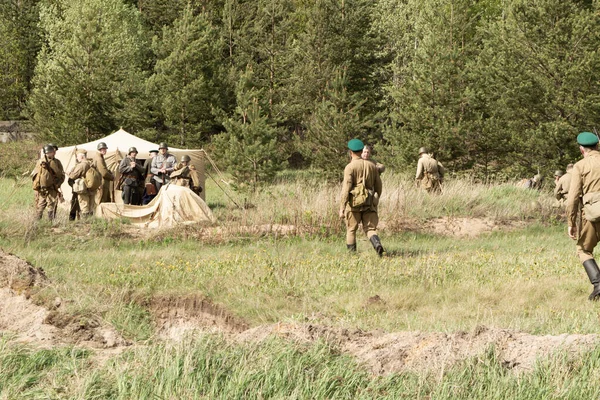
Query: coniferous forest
pixel 496 88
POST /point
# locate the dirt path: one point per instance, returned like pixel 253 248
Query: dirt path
pixel 178 317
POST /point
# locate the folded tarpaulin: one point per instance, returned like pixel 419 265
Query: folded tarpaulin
pixel 172 206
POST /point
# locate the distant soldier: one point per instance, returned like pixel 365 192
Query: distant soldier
pixel 47 177
pixel 87 197
pixel 148 175
pixel 563 182
pixel 585 187
pixel 430 172
pixel 360 195
pixel 162 166
pixel 132 176
pixel 103 195
pixel 366 155
pixel 534 183
pixel 185 174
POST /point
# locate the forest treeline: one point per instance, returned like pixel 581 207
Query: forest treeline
pixel 496 88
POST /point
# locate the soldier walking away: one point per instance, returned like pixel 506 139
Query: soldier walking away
pixel 132 178
pixel 366 155
pixel 185 174
pixel 103 195
pixel 85 196
pixel 149 189
pixel 162 166
pixel 430 172
pixel 47 177
pixel 360 195
pixel 585 188
pixel 534 183
pixel 563 182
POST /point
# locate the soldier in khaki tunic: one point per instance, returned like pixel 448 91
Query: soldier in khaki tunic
pixel 430 172
pixel 103 195
pixel 357 171
pixel 563 183
pixel 47 176
pixel 185 174
pixel 87 199
pixel 585 186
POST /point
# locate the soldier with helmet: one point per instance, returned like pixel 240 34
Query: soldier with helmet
pixel 98 162
pixel 47 177
pixel 585 186
pixel 162 166
pixel 132 178
pixel 85 197
pixel 360 195
pixel 563 182
pixel 185 174
pixel 430 172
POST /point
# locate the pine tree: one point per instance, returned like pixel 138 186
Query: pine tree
pixel 249 144
pixel 188 77
pixel 88 80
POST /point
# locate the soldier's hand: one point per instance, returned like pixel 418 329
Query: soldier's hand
pixel 571 232
pixel 132 164
pixel 342 216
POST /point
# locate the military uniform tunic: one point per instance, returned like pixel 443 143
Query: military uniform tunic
pixel 47 196
pixel 87 199
pixel 430 173
pixel 561 190
pixel 585 178
pixel 103 195
pixel 367 215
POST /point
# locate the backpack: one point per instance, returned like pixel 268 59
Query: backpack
pixel 361 196
pixel 93 179
pixel 43 178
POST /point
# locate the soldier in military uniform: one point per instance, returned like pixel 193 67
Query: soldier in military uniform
pixel 534 183
pixel 147 197
pixel 366 155
pixel 360 173
pixel 103 195
pixel 162 166
pixel 132 176
pixel 563 182
pixel 86 199
pixel 585 187
pixel 430 172
pixel 187 175
pixel 47 177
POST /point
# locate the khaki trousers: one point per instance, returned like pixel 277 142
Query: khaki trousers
pixel 46 198
pixel 589 236
pixel 103 193
pixel 87 203
pixel 369 220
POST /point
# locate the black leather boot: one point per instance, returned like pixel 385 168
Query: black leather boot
pixel 377 245
pixel 351 247
pixel 591 268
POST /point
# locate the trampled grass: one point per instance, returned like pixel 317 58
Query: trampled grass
pixel 527 280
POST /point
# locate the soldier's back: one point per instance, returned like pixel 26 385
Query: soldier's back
pixel 589 171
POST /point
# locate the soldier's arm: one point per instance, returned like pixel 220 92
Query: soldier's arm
pixel 124 166
pixel 575 192
pixel 378 185
pixel 74 174
pixel 419 169
pixel 346 187
pixel 172 162
pixel 441 170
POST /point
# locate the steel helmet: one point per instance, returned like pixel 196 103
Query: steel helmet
pixel 53 145
pixel 423 150
pixel 132 150
pixel 186 158
pixel 163 145
pixel 102 145
pixel 49 148
pixel 558 172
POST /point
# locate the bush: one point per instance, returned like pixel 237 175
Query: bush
pixel 18 158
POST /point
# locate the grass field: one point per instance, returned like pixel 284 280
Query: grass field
pixel 525 280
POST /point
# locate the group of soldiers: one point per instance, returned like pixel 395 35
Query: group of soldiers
pixel 578 188
pixel 361 190
pixel 138 182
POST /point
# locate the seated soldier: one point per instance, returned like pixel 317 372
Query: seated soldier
pixel 185 174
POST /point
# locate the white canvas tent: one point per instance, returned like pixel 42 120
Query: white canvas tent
pixel 118 143
pixel 172 206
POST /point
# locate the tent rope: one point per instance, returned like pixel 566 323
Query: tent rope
pixel 221 176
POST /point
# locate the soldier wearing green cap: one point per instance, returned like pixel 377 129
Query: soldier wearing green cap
pixel 585 187
pixel 430 172
pixel 360 194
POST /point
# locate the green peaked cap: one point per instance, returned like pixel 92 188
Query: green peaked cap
pixel 587 139
pixel 356 145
